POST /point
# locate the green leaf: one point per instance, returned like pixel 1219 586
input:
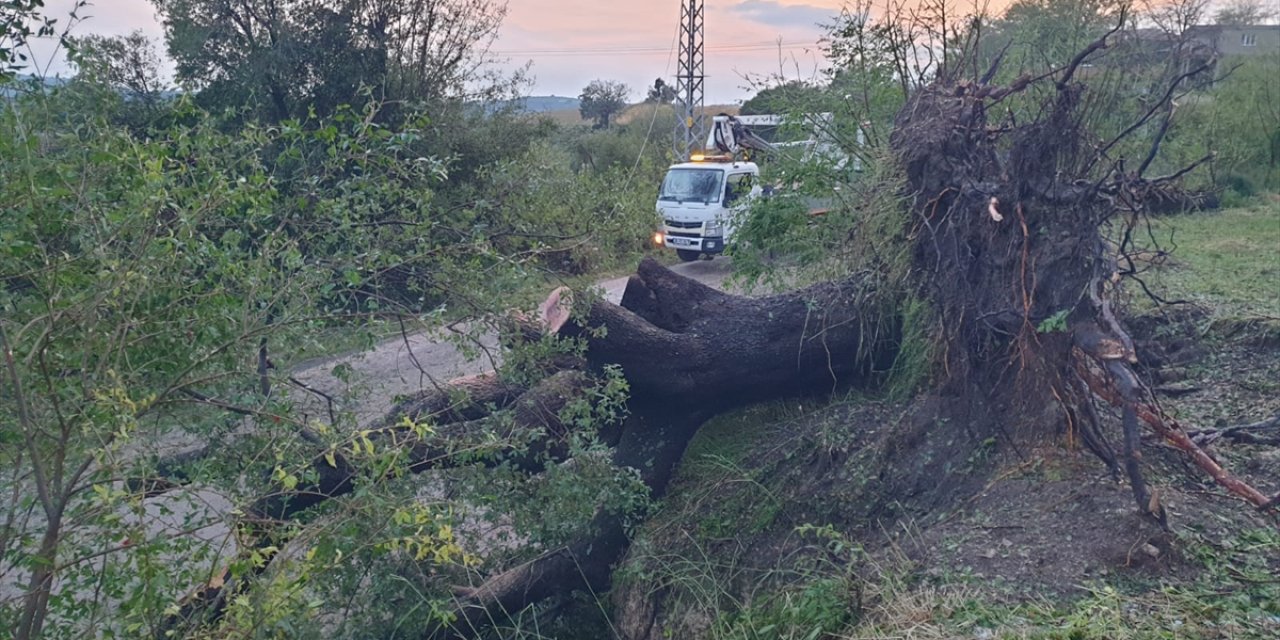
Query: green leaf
pixel 1055 322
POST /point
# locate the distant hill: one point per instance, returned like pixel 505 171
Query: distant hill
pixel 644 112
pixel 25 83
pixel 543 104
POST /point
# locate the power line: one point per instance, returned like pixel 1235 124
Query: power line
pixel 785 47
pixel 649 50
pixel 637 47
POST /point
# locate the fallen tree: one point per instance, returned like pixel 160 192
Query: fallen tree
pixel 684 362
pixel 1011 227
pixel 713 351
pixel 1007 225
pixel 701 355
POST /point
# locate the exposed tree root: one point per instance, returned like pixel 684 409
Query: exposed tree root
pixel 1177 436
pixel 1011 244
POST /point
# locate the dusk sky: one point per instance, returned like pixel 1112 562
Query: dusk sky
pixel 571 42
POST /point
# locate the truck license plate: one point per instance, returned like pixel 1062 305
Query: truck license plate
pixel 681 242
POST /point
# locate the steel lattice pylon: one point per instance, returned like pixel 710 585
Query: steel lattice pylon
pixel 690 129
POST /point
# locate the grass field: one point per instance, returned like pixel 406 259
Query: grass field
pixel 1227 261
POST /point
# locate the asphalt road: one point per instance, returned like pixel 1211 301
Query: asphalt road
pixel 400 367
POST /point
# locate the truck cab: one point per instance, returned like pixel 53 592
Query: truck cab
pixel 699 201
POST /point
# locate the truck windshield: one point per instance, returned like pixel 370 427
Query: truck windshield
pixel 701 185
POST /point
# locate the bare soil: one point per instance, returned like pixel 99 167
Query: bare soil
pixel 932 505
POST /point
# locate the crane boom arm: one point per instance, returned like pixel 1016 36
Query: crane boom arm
pixel 729 135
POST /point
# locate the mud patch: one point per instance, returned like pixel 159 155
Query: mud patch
pixel 1030 537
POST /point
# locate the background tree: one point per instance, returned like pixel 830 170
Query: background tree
pixel 438 48
pixel 22 21
pixel 601 100
pixel 661 93
pixel 121 75
pixel 1175 17
pixel 1043 34
pixel 783 98
pixel 129 64
pixel 277 57
pixel 1240 125
pixel 1244 12
pixel 288 58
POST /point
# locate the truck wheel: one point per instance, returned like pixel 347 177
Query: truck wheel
pixel 687 255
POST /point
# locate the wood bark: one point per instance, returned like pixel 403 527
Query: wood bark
pixel 685 345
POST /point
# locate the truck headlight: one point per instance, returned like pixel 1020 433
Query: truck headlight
pixel 713 229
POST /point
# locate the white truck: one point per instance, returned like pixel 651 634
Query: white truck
pixel 701 199
pixel 697 203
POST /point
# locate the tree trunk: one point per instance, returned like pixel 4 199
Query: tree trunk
pixel 40 587
pixel 652 445
pixel 682 344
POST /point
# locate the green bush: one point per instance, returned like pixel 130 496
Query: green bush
pixel 142 273
pixel 1238 120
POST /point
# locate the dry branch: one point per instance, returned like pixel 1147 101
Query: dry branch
pixel 1243 433
pixel 1177 436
